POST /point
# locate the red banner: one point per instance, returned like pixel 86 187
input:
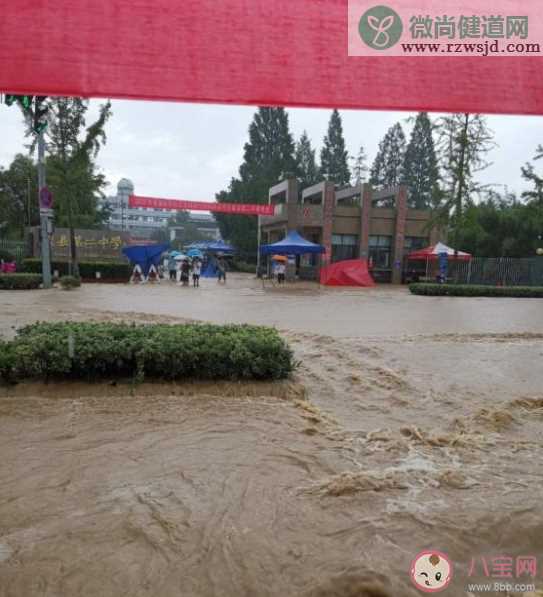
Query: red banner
pixel 245 209
pixel 284 53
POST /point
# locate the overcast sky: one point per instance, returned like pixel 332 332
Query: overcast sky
pixel 190 151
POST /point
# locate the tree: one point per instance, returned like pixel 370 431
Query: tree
pixel 268 157
pixel 464 141
pixel 18 197
pixel 71 170
pixel 528 173
pixel 420 169
pixel 360 168
pixel 334 156
pixel 387 169
pixel 187 231
pixel 307 169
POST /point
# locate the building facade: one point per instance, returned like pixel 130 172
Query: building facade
pixel 350 223
pixel 142 221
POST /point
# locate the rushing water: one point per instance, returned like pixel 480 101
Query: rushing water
pixel 418 426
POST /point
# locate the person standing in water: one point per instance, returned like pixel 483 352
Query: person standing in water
pixel 196 271
pixel 185 270
pixel 221 270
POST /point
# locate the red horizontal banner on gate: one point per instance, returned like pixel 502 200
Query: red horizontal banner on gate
pixel 285 53
pixel 246 209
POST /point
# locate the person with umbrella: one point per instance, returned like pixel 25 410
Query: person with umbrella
pixel 280 267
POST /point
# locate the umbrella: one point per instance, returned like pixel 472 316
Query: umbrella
pixel 280 258
pixel 195 253
pixel 180 257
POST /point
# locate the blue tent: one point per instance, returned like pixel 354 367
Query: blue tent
pixel 292 244
pixel 220 247
pixel 145 255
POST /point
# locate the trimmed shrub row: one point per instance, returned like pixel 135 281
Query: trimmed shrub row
pixel 243 267
pixel 70 282
pixel 19 281
pixel 87 269
pixel 476 290
pixel 102 351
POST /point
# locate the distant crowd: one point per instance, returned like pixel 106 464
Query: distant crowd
pixel 179 269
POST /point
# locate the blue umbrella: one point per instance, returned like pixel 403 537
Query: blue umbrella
pixel 195 253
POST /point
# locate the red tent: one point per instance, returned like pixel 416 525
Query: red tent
pixel 352 272
pixel 432 253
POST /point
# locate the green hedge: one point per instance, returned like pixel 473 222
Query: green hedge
pixel 70 282
pixel 87 269
pixel 98 351
pixel 19 281
pixel 476 290
pixel 242 266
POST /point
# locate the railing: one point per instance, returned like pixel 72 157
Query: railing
pixel 18 248
pixel 502 271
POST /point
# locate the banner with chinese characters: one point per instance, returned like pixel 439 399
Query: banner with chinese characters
pixel 280 53
pixel 246 209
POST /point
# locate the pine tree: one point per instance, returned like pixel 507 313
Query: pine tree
pixel 334 156
pixel 420 169
pixel 360 168
pixel 387 168
pixel 268 157
pixel 307 169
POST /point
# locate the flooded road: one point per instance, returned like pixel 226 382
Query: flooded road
pixel 412 423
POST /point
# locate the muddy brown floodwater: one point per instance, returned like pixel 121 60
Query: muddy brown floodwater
pixel 412 423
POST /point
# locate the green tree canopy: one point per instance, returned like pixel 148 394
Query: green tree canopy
pixel 387 169
pixel 360 167
pixel 334 156
pixel 268 157
pixel 420 169
pixel 306 165
pixel 18 197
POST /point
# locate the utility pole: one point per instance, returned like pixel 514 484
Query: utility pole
pixel 45 224
pixel 37 119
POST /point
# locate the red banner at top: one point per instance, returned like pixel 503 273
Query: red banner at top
pixel 246 209
pixel 284 53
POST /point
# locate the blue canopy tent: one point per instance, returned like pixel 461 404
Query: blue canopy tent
pixel 145 255
pixel 292 244
pixel 211 248
pixel 220 247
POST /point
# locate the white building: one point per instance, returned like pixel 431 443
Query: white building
pixel 143 221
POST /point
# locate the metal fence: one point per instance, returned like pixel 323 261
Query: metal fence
pixel 503 271
pixel 18 248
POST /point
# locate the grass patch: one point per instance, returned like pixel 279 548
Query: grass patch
pixel 105 351
pixel 19 281
pixel 476 290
